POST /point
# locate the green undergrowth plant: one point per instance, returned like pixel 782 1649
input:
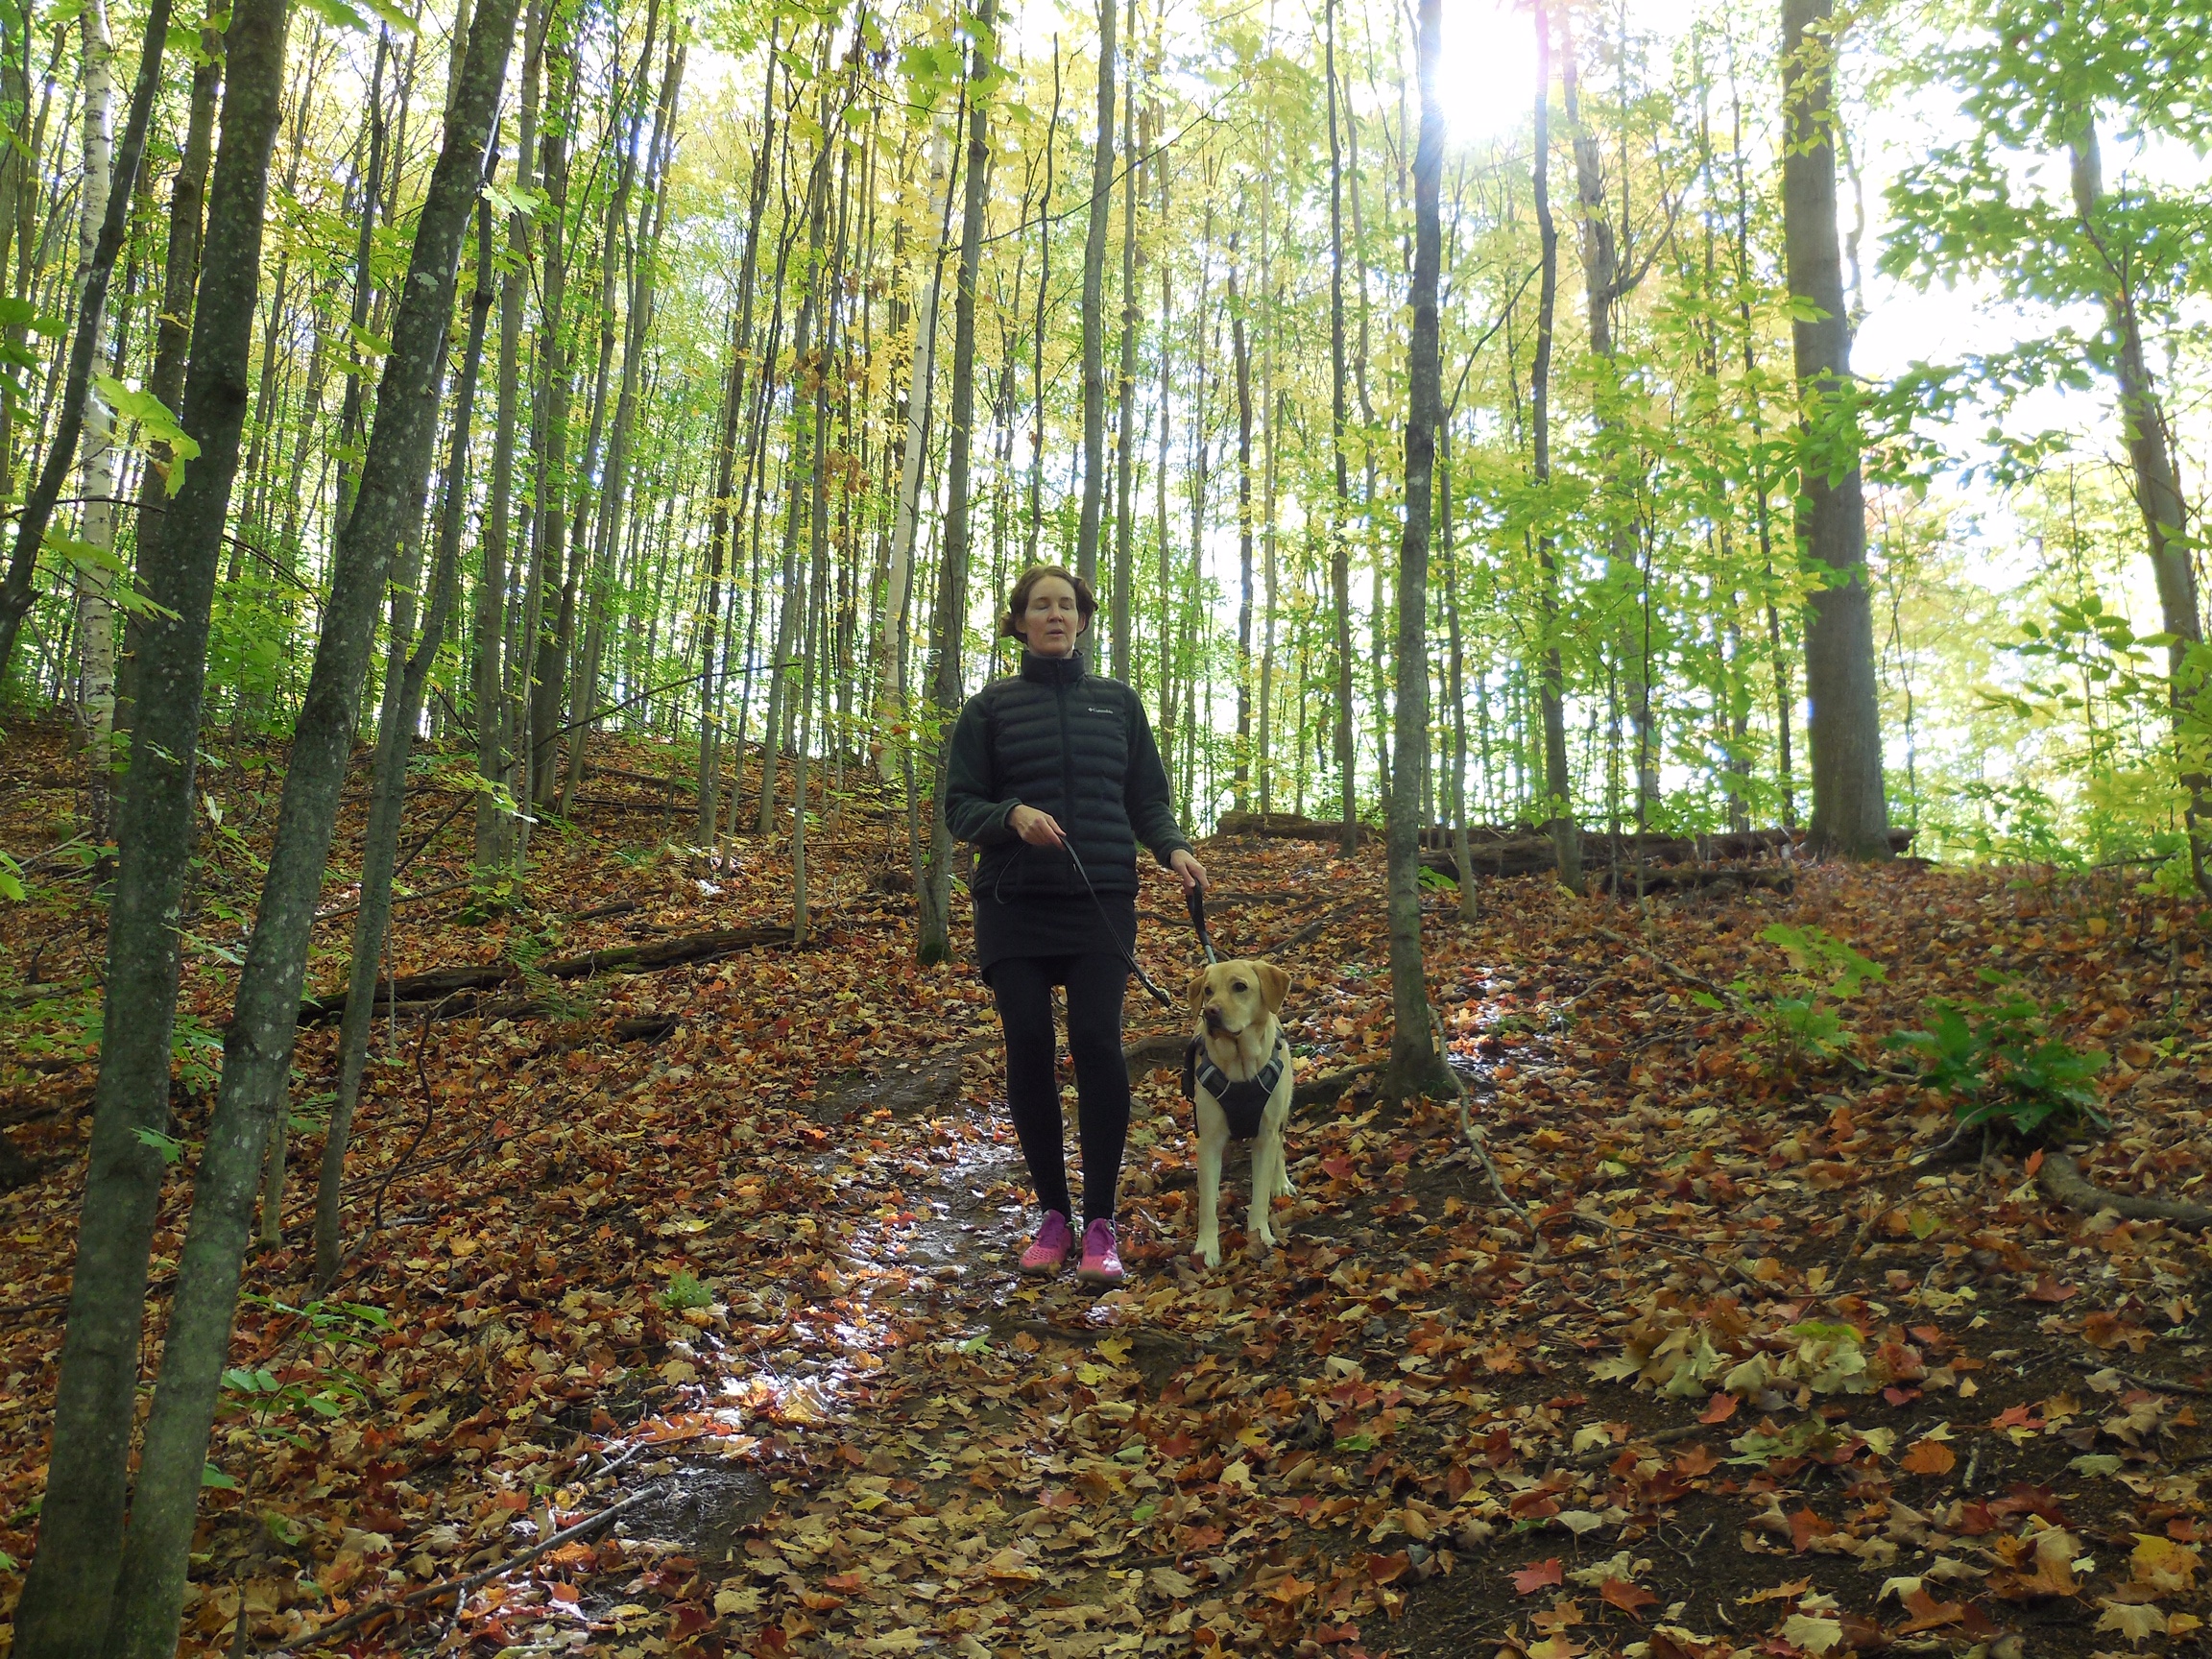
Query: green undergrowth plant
pixel 1800 1009
pixel 2001 1065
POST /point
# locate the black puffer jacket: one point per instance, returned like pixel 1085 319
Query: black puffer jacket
pixel 1069 743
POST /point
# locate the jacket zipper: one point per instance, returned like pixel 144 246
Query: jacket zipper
pixel 1067 782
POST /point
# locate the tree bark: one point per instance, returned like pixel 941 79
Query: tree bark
pixel 406 676
pixel 173 329
pixel 16 590
pixel 258 1050
pixel 1558 781
pixel 1415 1066
pixel 96 576
pixel 1125 425
pixel 1849 815
pixel 1094 310
pixel 1242 350
pixel 68 1593
pixel 935 943
pixel 1339 547
pixel 2157 479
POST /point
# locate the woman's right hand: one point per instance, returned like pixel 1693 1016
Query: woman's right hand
pixel 1038 828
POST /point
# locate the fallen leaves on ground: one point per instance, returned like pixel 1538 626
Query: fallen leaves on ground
pixel 1744 1368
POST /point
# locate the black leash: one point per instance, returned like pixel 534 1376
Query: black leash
pixel 1128 956
pixel 1195 899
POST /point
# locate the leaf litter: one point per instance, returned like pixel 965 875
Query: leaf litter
pixel 1758 1362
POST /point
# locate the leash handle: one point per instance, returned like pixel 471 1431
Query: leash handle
pixel 1196 900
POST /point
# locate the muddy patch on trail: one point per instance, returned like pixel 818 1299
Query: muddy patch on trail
pixel 705 1509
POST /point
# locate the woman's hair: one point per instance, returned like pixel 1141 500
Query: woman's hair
pixel 1017 601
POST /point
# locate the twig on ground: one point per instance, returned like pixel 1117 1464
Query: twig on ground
pixel 2165 1385
pixel 1598 1456
pixel 463 1586
pixel 1478 1142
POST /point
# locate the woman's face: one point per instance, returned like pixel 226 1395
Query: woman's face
pixel 1051 621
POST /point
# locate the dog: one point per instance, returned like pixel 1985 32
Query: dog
pixel 1237 1073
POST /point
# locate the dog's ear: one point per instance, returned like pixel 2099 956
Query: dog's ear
pixel 1274 985
pixel 1197 993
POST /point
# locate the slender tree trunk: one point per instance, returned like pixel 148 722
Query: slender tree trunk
pixel 1415 1066
pixel 914 454
pixel 172 327
pixel 497 714
pixel 2158 495
pixel 257 1048
pixel 1036 327
pixel 1124 426
pixel 68 1593
pixel 935 942
pixel 1340 543
pixel 16 590
pixel 406 676
pixel 1558 780
pixel 1605 286
pixel 1094 310
pixel 96 577
pixel 550 453
pixel 1850 816
pixel 1243 358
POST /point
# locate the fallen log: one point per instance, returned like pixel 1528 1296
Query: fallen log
pixel 438 983
pixel 1536 854
pixel 1288 827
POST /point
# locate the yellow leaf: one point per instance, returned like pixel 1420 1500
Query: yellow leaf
pixel 2133 1619
pixel 2162 1564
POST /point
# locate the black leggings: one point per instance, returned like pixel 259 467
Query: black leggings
pixel 1095 984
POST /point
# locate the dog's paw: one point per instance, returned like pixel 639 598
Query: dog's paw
pixel 1210 1252
pixel 1265 1239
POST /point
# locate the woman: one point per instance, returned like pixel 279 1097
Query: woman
pixel 1054 775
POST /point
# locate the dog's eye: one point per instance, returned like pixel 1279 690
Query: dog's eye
pixel 1238 986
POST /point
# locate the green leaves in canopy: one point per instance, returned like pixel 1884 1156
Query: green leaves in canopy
pixel 341 15
pixel 156 425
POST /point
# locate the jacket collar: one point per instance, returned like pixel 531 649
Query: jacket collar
pixel 1051 670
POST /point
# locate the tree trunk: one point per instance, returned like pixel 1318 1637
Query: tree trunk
pixel 1094 310
pixel 548 558
pixel 68 1593
pixel 496 712
pixel 1339 547
pixel 405 675
pixel 1605 286
pixel 1558 781
pixel 16 591
pixel 173 329
pixel 2157 479
pixel 1415 1067
pixel 257 1048
pixel 1124 427
pixel 913 458
pixel 1244 355
pixel 1849 814
pixel 96 576
pixel 935 943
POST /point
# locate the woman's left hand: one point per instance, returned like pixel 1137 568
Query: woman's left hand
pixel 1188 870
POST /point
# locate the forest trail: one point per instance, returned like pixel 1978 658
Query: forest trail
pixel 733 1306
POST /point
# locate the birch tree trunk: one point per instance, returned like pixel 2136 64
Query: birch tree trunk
pixel 16 589
pixel 96 574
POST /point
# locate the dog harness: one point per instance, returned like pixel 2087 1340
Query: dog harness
pixel 1241 1103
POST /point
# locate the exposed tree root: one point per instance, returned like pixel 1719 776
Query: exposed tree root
pixel 2062 1182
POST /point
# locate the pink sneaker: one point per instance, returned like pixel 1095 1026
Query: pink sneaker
pixel 1048 1252
pixel 1101 1262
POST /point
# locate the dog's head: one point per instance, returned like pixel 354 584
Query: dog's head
pixel 1231 997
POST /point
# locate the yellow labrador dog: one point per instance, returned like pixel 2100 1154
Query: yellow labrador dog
pixel 1238 1071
